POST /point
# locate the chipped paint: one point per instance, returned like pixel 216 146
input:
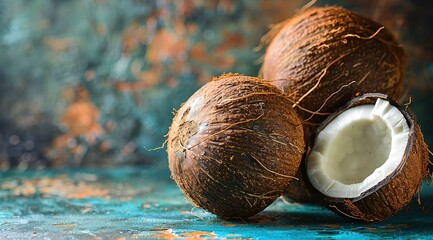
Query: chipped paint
pixel 166 234
pixel 198 235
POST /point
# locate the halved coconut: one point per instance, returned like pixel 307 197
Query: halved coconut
pixel 368 159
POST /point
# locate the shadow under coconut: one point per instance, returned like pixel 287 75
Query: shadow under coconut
pixel 298 218
pixel 283 214
pixel 414 220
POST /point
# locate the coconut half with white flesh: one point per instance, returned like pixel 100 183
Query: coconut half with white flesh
pixel 368 159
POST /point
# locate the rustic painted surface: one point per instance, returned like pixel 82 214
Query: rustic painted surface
pixel 89 83
pixel 131 203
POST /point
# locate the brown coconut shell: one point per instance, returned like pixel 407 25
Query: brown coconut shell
pixel 394 192
pixel 235 146
pixel 300 190
pixel 325 56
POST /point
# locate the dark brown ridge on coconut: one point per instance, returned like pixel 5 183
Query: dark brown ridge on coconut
pixel 396 191
pixel 301 190
pixel 323 57
pixel 235 146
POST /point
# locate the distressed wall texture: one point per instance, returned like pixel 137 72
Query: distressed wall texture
pixel 92 83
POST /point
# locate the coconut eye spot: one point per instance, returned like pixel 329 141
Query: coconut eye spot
pixel 358 149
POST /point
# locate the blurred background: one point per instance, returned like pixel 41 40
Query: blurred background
pixel 87 83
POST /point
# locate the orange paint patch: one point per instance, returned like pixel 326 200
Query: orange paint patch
pixel 225 62
pixel 144 79
pixel 58 44
pixel 171 82
pixel 86 192
pixel 166 45
pixel 81 118
pixel 219 59
pixel 229 225
pixel 198 235
pixel 60 186
pixel 145 206
pixel 9 185
pixel 198 53
pixel 26 190
pixel 133 36
pixel 64 224
pixel 231 40
pixel 89 75
pixel 166 234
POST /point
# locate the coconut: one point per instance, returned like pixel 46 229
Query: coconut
pixel 325 56
pixel 235 146
pixel 368 159
pixel 322 58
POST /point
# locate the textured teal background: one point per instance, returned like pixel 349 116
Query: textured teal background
pixel 92 83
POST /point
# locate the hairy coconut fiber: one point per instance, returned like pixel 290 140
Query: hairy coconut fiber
pixel 235 146
pixel 395 191
pixel 323 57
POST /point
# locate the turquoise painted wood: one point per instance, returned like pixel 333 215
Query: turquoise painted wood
pixel 135 203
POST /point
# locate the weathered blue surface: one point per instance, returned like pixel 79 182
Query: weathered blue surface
pixel 136 203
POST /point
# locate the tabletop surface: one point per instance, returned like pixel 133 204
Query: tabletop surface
pixel 137 203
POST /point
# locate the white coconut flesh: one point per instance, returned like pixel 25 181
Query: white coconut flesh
pixel 358 149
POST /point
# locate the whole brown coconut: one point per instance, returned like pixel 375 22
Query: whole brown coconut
pixel 368 159
pixel 323 57
pixel 235 146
